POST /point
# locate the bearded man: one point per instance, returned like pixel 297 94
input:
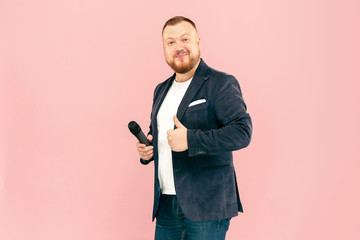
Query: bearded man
pixel 198 118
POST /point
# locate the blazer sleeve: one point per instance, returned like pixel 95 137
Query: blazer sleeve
pixel 235 126
pixel 142 161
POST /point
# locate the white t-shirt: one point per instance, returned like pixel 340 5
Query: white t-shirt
pixel 165 122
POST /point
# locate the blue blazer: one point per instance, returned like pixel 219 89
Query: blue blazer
pixel 204 175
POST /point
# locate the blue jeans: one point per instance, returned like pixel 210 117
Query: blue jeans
pixel 171 224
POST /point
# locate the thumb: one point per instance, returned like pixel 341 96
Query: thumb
pixel 150 138
pixel 178 123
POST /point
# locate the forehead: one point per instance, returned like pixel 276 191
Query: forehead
pixel 175 31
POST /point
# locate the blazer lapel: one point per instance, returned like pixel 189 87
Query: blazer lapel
pixel 198 80
pixel 161 96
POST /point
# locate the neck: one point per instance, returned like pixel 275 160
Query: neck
pixel 183 77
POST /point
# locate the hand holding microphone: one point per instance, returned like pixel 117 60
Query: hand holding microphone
pixel 144 147
pixel 145 152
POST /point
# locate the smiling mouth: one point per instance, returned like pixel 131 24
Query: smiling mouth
pixel 181 55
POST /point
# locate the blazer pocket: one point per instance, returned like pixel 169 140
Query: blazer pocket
pixel 196 102
pixel 215 166
pixel 197 107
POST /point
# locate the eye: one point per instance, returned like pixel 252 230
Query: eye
pixel 185 39
pixel 171 42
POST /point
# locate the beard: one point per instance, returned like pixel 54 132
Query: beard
pixel 183 66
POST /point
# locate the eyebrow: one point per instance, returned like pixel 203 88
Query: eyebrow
pixel 180 36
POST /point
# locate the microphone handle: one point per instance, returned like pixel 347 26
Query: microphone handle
pixel 142 139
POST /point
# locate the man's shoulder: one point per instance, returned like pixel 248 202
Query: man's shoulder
pixel 214 73
pixel 219 74
pixel 163 84
pixel 221 80
pixel 220 77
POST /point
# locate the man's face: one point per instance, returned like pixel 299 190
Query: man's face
pixel 181 47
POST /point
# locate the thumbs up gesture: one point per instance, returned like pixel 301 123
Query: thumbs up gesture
pixel 177 138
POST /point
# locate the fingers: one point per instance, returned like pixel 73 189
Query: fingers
pixel 177 138
pixel 143 148
pixel 170 136
pixel 145 152
pixel 146 155
pixel 177 122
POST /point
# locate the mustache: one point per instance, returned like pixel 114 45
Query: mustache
pixel 181 52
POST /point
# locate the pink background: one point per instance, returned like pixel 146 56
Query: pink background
pixel 74 73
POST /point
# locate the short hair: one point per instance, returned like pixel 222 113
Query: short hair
pixel 177 19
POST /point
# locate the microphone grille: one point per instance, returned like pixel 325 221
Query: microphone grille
pixel 134 127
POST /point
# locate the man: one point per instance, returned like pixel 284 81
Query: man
pixel 198 118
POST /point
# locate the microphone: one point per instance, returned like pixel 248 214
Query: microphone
pixel 138 133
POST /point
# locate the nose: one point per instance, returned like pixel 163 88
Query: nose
pixel 179 46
